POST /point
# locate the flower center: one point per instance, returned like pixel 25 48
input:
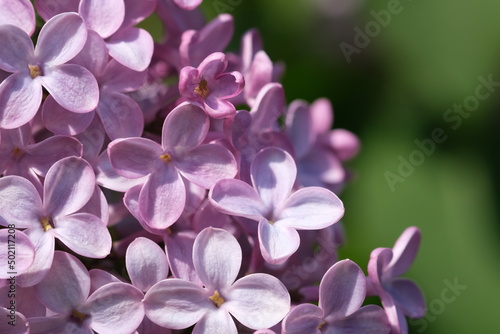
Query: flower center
pixel 217 299
pixel 47 223
pixel 78 317
pixel 202 89
pixel 35 71
pixel 321 324
pixel 17 152
pixel 166 157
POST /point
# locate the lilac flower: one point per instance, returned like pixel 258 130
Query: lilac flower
pixel 60 39
pixel 341 294
pixel 115 307
pixel 257 301
pixel 68 186
pixel 19 156
pixel 279 212
pixel 19 13
pixel 400 296
pixel 163 196
pixel 210 86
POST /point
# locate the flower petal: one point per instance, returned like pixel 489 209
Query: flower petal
pixel 133 157
pixel 342 289
pixel 162 198
pixel 304 318
pixel 277 242
pixel 17 48
pixel 215 321
pixel 185 127
pixel 21 204
pixel 311 208
pixel 370 319
pixel 207 164
pixel 407 296
pixel 404 251
pixel 179 249
pixel 136 11
pixel 216 258
pixel 108 178
pixel 257 300
pixel 85 234
pixel 21 324
pixel 146 263
pixel 120 78
pixel 18 244
pixel 176 304
pixel 188 4
pixel 131 47
pixel 18 13
pixel 115 308
pixel 44 254
pixel 104 17
pixel 66 285
pixel 61 39
pixel 235 197
pixel 121 116
pixel 67 82
pixel 62 121
pixel 273 174
pixel 47 9
pixel 20 98
pixel 69 184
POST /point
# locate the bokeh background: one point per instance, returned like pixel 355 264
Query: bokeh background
pixel 395 90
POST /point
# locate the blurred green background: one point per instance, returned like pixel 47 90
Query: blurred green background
pixel 395 90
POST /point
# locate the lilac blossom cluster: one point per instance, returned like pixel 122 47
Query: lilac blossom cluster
pixel 167 187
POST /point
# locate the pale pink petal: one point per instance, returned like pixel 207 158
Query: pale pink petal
pixel 20 98
pixel 61 39
pixel 62 121
pixel 162 198
pixel 185 127
pixel 345 143
pixel 44 254
pixel 370 319
pixel 69 184
pixel 216 258
pixel 121 116
pixel 104 17
pixel 404 251
pixel 19 13
pixel 136 11
pixel 277 242
pixel 273 174
pixel 17 48
pixel 260 74
pixel 179 249
pixel 115 308
pixel 66 285
pixel 108 178
pixel 146 263
pixel 207 164
pixel 176 304
pixel 94 55
pixel 132 47
pixel 133 157
pixel 21 324
pixel 119 78
pixel 99 278
pixel 342 289
pixel 304 318
pixel 311 208
pixel 298 126
pixel 18 254
pixel 97 206
pixel 85 234
pixel 67 82
pixel 188 4
pixel 238 198
pixel 215 321
pixel 21 204
pixel 257 300
pixel 408 297
pixel 269 106
pixel 47 9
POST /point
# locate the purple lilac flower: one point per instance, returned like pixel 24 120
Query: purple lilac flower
pixel 400 296
pixel 270 201
pixel 341 294
pixel 163 196
pixel 60 39
pixel 115 307
pixel 68 186
pixel 257 301
pixel 210 86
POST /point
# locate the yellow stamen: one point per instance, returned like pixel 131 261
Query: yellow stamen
pixel 35 71
pixel 17 151
pixel 46 224
pixel 271 222
pixel 79 316
pixel 321 324
pixel 202 89
pixel 166 157
pixel 217 299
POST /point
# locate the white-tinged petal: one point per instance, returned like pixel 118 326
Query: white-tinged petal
pixel 277 242
pixel 21 204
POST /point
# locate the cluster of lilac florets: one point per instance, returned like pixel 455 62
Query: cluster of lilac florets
pixel 166 187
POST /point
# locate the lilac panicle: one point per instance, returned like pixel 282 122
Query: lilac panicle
pixel 60 39
pixel 256 301
pixel 270 201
